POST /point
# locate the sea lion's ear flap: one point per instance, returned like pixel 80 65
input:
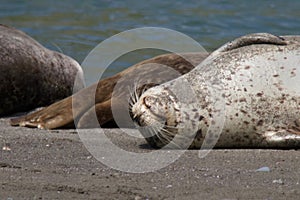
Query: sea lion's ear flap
pixel 251 39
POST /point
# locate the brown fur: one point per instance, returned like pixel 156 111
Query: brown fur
pixel 60 113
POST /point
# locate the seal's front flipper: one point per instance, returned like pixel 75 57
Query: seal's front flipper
pixel 255 38
pixel 291 38
pixel 283 139
pixel 294 131
pixel 295 128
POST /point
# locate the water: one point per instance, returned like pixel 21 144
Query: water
pixel 75 27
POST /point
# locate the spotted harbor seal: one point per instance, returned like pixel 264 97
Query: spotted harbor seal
pixel 60 113
pixel 248 91
pixel 32 76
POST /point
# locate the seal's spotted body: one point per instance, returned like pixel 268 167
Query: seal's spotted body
pixel 249 89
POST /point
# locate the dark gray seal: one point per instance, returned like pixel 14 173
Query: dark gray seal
pixel 32 76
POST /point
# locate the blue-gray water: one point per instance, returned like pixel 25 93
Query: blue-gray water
pixel 75 27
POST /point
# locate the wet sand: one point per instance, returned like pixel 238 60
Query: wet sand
pixel 41 164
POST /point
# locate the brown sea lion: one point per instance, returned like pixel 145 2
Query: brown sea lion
pixel 32 76
pixel 60 114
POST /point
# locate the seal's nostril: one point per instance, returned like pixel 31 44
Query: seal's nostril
pixel 148 101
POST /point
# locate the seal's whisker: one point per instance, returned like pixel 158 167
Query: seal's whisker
pixel 155 131
pixel 131 101
pixel 170 126
pixel 135 90
pixel 168 133
pixel 147 132
pixel 162 138
pixel 133 98
pixel 143 90
pixel 134 94
pixel 131 95
pixel 163 134
pixel 164 125
pixel 169 138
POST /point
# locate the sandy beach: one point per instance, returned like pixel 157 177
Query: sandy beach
pixel 41 164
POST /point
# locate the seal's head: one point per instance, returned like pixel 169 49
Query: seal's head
pixel 157 115
pixel 162 118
